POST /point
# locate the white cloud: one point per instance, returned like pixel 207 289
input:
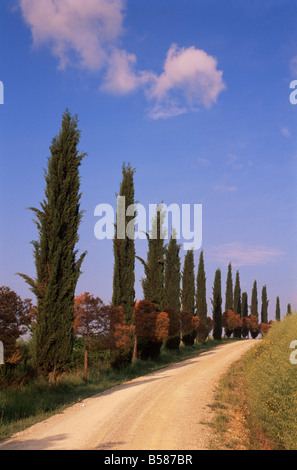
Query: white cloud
pixel 85 34
pixel 244 255
pixel 190 79
pixel 77 32
pixel 121 77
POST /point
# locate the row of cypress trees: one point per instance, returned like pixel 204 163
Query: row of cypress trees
pixel 58 265
pixel 162 269
pixel 164 284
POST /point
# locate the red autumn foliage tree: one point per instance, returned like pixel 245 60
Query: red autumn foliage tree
pixel 162 326
pixel 151 328
pixel 204 328
pixel 246 325
pixel 123 336
pixel 265 327
pixel 254 326
pixel 14 320
pixel 88 321
pixel 145 317
pixel 120 334
pixel 106 323
pixel 232 322
pixel 189 327
pixel 173 340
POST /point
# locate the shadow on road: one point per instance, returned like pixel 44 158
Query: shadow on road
pixel 32 444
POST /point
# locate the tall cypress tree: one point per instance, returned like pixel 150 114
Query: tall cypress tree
pixel 188 284
pixel 244 304
pixel 244 313
pixel 254 301
pixel 289 309
pixel 277 310
pixel 57 266
pixel 201 303
pixel 153 282
pixel 229 300
pixel 217 306
pixel 124 250
pixel 172 292
pixel 264 307
pixel 172 289
pixel 237 295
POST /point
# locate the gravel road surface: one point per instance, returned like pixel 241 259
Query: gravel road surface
pixel 166 410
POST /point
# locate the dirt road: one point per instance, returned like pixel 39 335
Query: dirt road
pixel 165 410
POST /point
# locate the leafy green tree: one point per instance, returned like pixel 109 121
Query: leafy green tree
pixel 56 263
pixel 201 303
pixel 124 251
pixel 217 306
pixel 254 302
pixel 277 310
pixel 229 299
pixel 15 317
pixel 264 307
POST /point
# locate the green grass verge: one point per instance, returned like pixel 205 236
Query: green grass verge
pixel 23 406
pixel 272 384
pixel 256 401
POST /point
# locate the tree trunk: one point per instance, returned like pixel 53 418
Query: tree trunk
pixel 134 357
pixel 86 360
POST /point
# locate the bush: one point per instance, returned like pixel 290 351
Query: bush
pixel 173 333
pixel 150 329
pixel 254 326
pixel 264 328
pixel 20 368
pixel 189 327
pixel 246 322
pixel 203 330
pixel 232 322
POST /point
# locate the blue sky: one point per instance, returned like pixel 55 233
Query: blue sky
pixel 195 94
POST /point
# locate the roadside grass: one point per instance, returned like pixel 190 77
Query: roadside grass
pixel 23 406
pixel 256 401
pixel 233 422
pixel 272 384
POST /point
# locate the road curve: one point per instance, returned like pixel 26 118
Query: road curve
pixel 165 410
